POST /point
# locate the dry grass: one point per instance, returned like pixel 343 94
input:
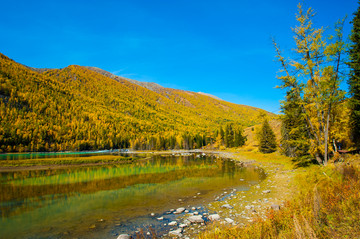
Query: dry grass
pixel 327 205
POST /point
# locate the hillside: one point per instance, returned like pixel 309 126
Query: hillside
pixel 82 108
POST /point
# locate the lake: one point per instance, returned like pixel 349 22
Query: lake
pixel 108 200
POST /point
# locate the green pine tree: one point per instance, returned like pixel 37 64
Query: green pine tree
pixel 294 133
pixel 267 139
pixel 354 79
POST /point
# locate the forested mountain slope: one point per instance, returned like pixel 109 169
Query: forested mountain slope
pixel 78 108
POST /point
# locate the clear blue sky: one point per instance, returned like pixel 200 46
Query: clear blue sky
pixel 219 47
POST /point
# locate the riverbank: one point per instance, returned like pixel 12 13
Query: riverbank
pixel 62 162
pixel 318 202
pixel 238 209
pixel 321 201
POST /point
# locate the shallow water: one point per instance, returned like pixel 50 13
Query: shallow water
pixel 104 201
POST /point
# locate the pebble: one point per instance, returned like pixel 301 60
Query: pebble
pixel 173 223
pixel 179 210
pixel 229 220
pixel 275 207
pixel 227 206
pixel 176 232
pixel 124 236
pixel 182 225
pixel 195 219
pixel 214 217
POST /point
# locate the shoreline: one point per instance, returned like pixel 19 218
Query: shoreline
pixel 246 206
pixel 249 206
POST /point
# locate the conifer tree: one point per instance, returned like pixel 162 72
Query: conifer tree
pixel 239 139
pixel 267 138
pixel 354 79
pixel 295 136
pixel 315 76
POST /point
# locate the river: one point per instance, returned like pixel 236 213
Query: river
pixel 107 200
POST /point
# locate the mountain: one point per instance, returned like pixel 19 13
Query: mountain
pixel 82 108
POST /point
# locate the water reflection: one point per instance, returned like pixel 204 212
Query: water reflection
pixel 72 200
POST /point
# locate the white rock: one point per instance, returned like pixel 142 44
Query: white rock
pixel 176 232
pixel 266 191
pixel 196 213
pixel 187 222
pixel 152 214
pixel 229 220
pixel 214 217
pixel 173 223
pixel 179 210
pixel 275 207
pixel 182 225
pixel 195 219
pixel 227 206
pixel 193 208
pixel 124 236
pixel 160 218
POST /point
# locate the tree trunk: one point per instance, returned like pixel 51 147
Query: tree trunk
pixel 327 135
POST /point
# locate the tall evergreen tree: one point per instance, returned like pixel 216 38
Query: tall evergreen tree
pixel 315 76
pixel 267 138
pixel 239 138
pixel 354 79
pixel 295 136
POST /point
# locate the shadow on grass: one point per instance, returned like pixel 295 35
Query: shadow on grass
pixel 304 161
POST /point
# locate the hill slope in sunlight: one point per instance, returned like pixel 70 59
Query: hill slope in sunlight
pixel 82 108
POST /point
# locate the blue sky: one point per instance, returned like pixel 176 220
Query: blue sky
pixel 219 47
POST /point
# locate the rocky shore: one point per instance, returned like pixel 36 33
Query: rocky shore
pixel 231 207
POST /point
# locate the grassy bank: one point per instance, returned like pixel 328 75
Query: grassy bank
pixel 98 159
pixel 325 203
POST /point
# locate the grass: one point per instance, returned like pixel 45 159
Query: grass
pixel 65 161
pixel 326 205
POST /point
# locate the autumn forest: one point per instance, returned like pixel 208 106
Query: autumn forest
pixel 86 108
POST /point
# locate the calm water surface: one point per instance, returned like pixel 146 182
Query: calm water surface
pixel 104 201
